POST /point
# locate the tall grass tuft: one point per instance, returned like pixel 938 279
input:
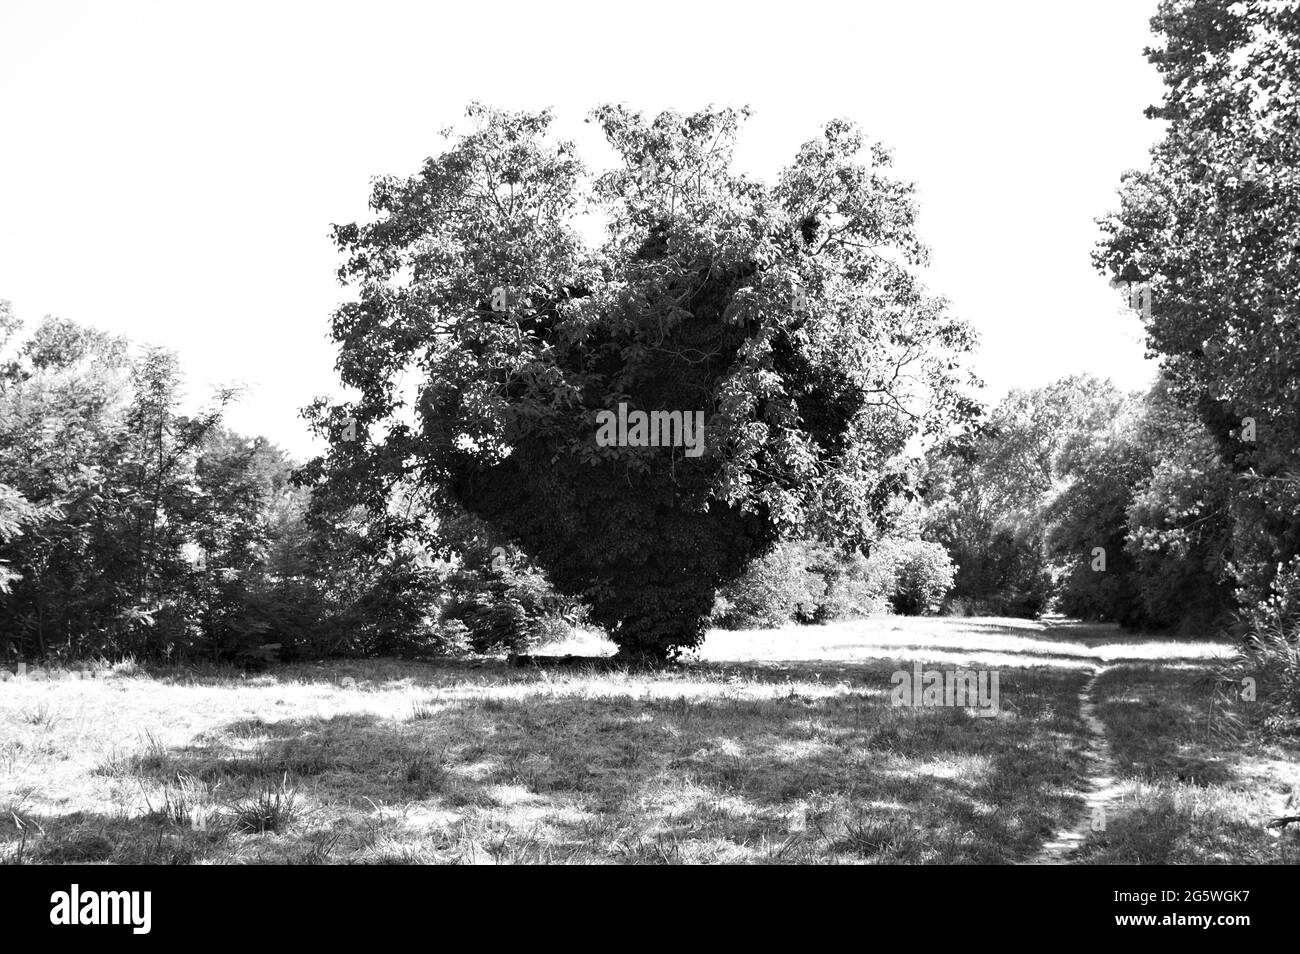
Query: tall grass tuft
pixel 185 803
pixel 1269 654
pixel 267 810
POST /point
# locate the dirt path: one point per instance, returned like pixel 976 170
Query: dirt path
pixel 1101 794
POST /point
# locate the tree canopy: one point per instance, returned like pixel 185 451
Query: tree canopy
pixel 1213 228
pixel 487 333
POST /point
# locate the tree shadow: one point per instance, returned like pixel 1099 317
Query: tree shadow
pixel 720 764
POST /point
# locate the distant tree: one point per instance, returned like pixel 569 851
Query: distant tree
pixel 789 315
pixel 105 486
pixel 155 506
pixel 1086 520
pixel 1149 490
pixel 16 511
pixel 1059 476
pixel 986 494
pixel 374 593
pixel 922 572
pixel 237 482
pixel 62 395
pixel 1179 520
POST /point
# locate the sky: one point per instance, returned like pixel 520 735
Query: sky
pixel 170 172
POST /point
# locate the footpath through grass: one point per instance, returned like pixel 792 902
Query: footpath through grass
pixel 781 746
pixel 1200 789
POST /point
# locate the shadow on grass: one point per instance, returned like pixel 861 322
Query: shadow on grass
pixel 1202 790
pixel 1161 727
pixel 365 673
pixel 706 763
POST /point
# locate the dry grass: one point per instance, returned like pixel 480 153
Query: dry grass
pixel 1200 789
pixel 779 746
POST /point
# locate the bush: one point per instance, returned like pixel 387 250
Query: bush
pixel 1279 609
pixel 921 571
pixel 777 589
pixel 1022 605
pixel 504 605
pixel 1269 653
pixel 451 637
pixel 999 574
pixel 808 582
pixel 855 587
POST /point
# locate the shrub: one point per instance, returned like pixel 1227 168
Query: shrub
pixel 922 573
pixel 1280 607
pixel 855 587
pixel 808 582
pixel 1268 650
pixel 451 637
pixel 804 581
pixel 779 588
pixel 502 605
pixel 1269 653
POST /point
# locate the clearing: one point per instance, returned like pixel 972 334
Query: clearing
pixel 770 746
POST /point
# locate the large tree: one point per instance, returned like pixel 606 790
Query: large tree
pixel 487 335
pixel 1213 228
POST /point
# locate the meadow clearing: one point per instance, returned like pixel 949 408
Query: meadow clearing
pixel 767 746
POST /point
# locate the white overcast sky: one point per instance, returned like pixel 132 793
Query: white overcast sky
pixel 170 171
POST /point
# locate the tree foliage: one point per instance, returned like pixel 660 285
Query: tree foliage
pixel 130 528
pixel 1059 473
pixel 1212 226
pixel 789 314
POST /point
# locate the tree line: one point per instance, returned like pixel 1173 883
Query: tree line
pixel 130 528
pixel 464 502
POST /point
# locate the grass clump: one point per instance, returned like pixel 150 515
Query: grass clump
pixel 269 809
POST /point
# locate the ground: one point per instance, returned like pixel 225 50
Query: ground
pixel 771 746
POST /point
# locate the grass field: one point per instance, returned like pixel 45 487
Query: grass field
pixel 1197 791
pixel 773 746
